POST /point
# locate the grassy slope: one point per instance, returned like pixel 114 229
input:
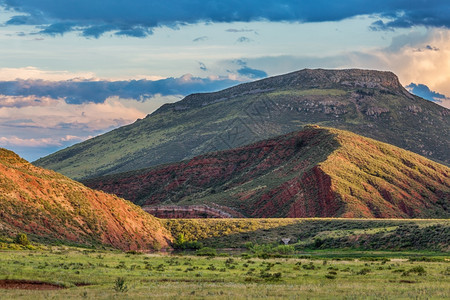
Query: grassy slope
pixel 317 172
pixel 207 122
pixel 375 179
pixel 46 204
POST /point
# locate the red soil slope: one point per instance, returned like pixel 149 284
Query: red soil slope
pixel 45 203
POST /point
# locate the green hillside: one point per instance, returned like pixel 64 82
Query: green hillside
pixel 370 103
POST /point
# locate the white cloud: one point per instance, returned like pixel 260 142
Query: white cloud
pixel 40 142
pixel 7 74
pixel 22 101
pixel 56 113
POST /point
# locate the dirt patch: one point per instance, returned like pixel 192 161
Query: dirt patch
pixel 15 284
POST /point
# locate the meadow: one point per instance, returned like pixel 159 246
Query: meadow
pixel 94 274
pixel 243 259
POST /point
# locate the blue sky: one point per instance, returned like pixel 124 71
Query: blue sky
pixel 70 70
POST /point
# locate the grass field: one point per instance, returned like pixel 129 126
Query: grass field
pixel 93 274
pixel 326 259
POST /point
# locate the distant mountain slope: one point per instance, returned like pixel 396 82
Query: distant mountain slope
pixel 370 103
pixel 316 172
pixel 50 205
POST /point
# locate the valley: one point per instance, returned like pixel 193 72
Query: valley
pixel 272 189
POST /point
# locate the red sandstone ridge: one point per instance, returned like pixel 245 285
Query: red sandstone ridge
pixel 44 203
pixel 316 172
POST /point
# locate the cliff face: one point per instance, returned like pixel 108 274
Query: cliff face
pixel 316 172
pixel 50 205
pixel 370 103
pixel 187 212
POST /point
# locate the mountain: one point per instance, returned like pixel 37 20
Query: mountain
pixel 49 205
pixel 370 103
pixel 316 172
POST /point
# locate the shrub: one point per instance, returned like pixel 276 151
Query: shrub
pixel 419 270
pixel 120 286
pixel 270 276
pixel 363 271
pixel 182 243
pixel 21 239
pixel 206 251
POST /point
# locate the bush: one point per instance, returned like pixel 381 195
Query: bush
pixel 120 286
pixel 22 239
pixel 270 276
pixel 419 270
pixel 206 251
pixel 363 271
pixel 182 243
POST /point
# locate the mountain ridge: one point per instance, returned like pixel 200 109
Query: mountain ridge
pixel 371 103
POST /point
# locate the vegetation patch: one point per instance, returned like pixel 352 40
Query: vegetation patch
pixel 265 236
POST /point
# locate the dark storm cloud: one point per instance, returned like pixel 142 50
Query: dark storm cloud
pixel 424 91
pixel 76 92
pixel 95 17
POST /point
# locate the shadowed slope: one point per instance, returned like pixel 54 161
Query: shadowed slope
pixel 316 172
pixel 47 204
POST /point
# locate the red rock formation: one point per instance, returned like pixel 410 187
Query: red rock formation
pixel 186 212
pixel 317 172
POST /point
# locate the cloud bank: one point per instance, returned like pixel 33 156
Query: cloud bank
pixel 82 91
pixel 138 18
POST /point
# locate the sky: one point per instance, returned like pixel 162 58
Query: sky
pixel 74 69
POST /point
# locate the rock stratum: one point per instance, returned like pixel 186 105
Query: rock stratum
pixel 371 103
pixel 49 205
pixel 316 172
